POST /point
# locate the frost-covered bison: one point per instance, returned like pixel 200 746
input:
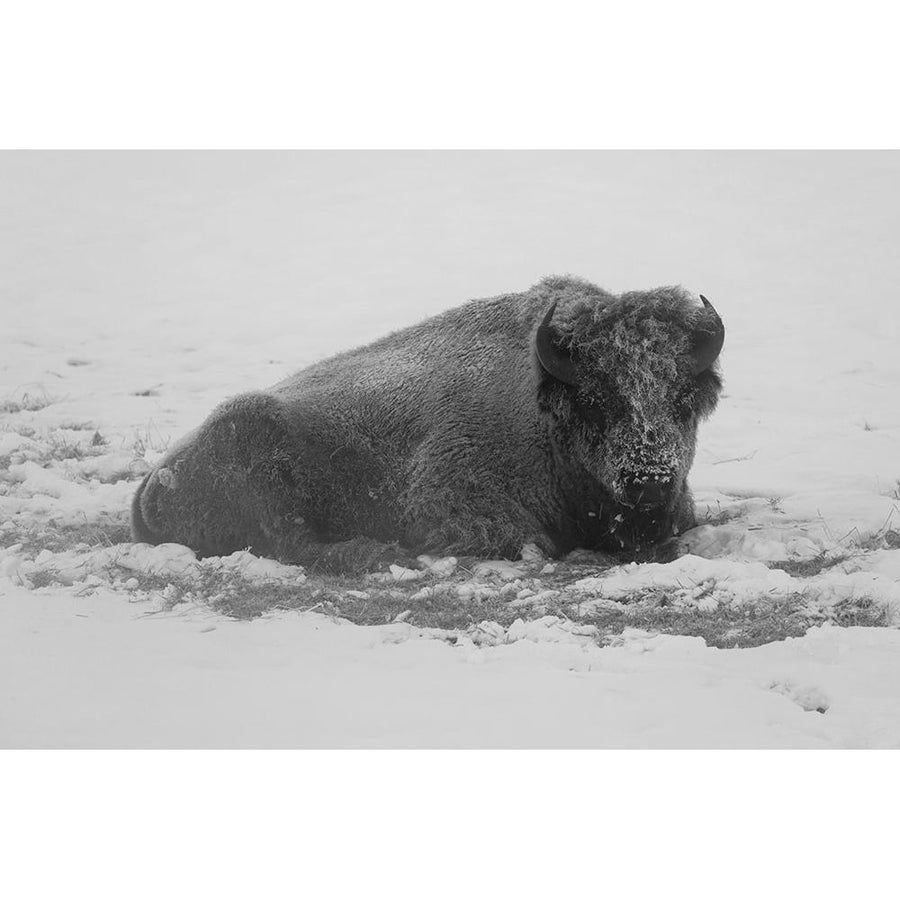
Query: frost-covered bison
pixel 564 416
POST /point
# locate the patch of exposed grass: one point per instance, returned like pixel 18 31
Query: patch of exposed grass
pixel 43 578
pixel 224 591
pixel 56 446
pixel 60 538
pixel 364 601
pixel 719 516
pixel 885 539
pixel 861 611
pixel 806 568
pixel 59 447
pixel 28 402
pixel 443 606
pixel 463 600
pixel 150 438
pixel 747 625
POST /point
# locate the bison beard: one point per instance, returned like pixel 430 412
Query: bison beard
pixel 562 416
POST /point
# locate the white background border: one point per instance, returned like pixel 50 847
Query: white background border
pixel 436 824
pixel 474 73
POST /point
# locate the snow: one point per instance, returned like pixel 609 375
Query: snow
pixel 140 290
pixel 707 583
pixel 95 670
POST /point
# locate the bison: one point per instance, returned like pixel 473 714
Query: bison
pixel 564 416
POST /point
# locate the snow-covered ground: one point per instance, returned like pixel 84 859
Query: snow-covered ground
pixel 138 290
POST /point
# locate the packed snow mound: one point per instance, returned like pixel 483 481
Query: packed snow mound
pixel 799 526
pixel 708 583
pixel 67 494
pixel 172 562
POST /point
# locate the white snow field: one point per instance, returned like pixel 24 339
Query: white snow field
pixel 140 289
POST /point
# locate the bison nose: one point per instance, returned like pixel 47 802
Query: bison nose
pixel 647 492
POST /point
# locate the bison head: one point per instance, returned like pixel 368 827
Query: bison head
pixel 627 380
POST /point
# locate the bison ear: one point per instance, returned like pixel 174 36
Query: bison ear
pixel 708 341
pixel 554 361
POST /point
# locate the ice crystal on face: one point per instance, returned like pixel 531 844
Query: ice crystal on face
pixel 633 356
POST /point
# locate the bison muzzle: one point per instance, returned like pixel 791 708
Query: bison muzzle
pixel 564 416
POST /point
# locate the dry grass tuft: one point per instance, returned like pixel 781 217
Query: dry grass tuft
pixel 59 538
pixel 444 606
pixel 806 568
pixel 28 402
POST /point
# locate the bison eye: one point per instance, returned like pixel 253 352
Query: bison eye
pixel 684 405
pixel 592 411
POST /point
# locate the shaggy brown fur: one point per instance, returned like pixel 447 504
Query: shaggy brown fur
pixel 450 437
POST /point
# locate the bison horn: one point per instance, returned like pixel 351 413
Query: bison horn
pixel 709 341
pixel 558 363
